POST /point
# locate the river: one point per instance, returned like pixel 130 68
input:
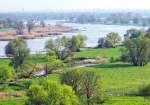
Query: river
pixel 92 31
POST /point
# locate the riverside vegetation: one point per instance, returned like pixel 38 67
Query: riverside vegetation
pixel 122 80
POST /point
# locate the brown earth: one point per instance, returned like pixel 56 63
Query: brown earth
pixel 3 95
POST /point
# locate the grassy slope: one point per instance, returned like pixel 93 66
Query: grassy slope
pixel 117 78
pixel 112 52
pixel 14 101
pixel 120 79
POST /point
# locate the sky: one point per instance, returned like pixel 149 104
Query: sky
pixel 47 5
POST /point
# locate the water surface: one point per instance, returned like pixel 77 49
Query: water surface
pixel 92 31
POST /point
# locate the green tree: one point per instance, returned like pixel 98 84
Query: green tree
pixel 101 43
pixel 137 51
pixel 77 42
pixel 18 51
pixel 85 84
pixel 6 74
pixel 90 88
pixel 37 95
pixel 53 63
pixel 104 43
pixel 59 46
pixel 72 78
pixel 133 33
pixel 51 93
pixel 113 38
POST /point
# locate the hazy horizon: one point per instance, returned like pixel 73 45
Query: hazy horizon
pixel 66 5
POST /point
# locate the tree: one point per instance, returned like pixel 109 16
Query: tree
pixel 19 26
pixel 30 25
pixel 133 33
pixel 137 51
pixel 72 78
pixel 85 84
pixel 59 46
pixel 53 63
pixel 6 74
pixel 18 51
pixel 37 95
pixel 114 38
pixel 147 35
pixel 42 23
pixel 51 93
pixel 111 40
pixel 76 42
pixel 90 87
pixel 101 43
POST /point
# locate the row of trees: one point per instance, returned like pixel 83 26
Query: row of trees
pixel 20 25
pixel 136 45
pixel 63 47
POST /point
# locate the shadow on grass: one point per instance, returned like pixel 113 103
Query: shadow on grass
pixel 112 65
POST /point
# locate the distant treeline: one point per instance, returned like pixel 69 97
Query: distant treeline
pixel 141 18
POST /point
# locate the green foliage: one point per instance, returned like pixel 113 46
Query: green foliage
pixel 85 84
pixel 37 95
pixel 53 63
pixel 18 51
pixel 51 93
pixel 144 91
pixel 59 46
pixel 72 78
pixel 111 40
pixel 137 51
pixel 76 42
pixel 90 87
pixel 133 33
pixel 6 74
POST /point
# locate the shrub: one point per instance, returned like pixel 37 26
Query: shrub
pixel 6 74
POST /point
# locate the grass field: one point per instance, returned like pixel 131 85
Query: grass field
pixel 111 52
pixel 118 80
pixel 14 101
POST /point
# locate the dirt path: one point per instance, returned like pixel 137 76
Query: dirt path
pixel 42 72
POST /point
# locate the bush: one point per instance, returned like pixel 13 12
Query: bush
pixel 145 91
pixel 51 93
pixel 6 74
